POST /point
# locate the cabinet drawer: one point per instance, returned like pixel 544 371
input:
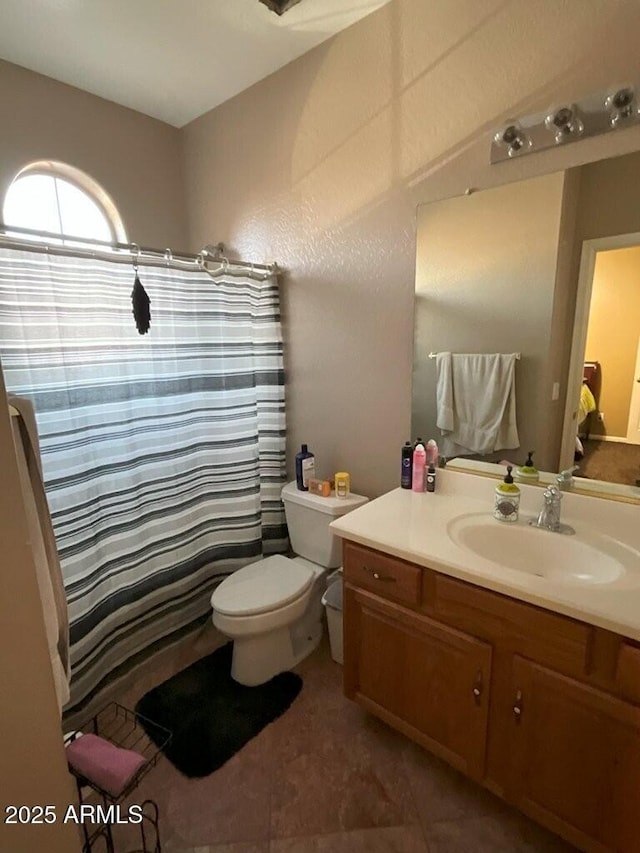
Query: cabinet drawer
pixel 388 576
pixel 546 637
pixel 628 672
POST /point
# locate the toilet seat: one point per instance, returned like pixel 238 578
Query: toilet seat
pixel 262 586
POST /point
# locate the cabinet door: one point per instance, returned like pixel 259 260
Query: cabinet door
pixel 576 759
pixel 430 681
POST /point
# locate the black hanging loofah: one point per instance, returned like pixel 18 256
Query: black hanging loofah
pixel 141 302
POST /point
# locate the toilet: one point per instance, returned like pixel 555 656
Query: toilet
pixel 272 609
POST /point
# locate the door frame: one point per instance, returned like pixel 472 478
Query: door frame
pixel 634 405
pixel 590 249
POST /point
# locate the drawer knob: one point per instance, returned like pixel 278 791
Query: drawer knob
pixel 477 688
pixel 377 576
pixel 517 705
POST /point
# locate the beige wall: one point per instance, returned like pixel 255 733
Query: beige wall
pixel 136 159
pixel 608 202
pixel 613 334
pixel 321 167
pixel 33 769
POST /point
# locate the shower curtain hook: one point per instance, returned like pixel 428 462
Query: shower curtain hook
pixel 168 256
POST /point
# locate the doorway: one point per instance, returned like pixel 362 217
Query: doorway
pixel 633 424
pixel 607 335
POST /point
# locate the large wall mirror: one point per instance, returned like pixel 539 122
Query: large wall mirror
pixel 548 267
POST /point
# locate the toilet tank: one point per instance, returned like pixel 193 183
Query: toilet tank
pixel 308 520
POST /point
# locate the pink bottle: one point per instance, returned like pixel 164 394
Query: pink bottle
pixel 419 468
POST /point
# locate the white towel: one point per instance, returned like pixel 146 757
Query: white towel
pixel 476 402
pixel 42 541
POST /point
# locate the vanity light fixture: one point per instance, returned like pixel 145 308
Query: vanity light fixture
pixel 569 122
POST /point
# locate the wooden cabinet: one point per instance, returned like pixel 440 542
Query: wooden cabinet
pixel 427 679
pixel 541 708
pixel 576 757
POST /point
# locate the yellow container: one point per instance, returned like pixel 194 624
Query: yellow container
pixel 342 482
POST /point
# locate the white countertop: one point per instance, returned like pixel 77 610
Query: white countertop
pixel 415 527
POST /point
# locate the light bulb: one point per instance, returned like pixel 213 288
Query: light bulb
pixel 513 138
pixel 621 106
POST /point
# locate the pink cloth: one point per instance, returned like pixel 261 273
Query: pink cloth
pixel 101 762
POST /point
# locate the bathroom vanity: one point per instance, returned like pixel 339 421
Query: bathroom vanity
pixel 513 653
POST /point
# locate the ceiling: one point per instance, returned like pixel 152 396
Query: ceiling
pixel 170 59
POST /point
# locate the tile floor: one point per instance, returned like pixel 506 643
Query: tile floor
pixel 324 778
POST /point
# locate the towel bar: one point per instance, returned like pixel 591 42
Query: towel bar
pixel 434 354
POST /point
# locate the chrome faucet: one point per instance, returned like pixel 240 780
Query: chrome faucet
pixel 549 516
pixel 565 478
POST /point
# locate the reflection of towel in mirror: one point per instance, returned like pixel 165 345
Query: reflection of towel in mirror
pixel 587 402
pixel 476 402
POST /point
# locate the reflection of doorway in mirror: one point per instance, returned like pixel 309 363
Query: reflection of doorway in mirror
pixel 633 426
pixel 611 335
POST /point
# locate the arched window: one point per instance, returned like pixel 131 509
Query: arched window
pixel 57 198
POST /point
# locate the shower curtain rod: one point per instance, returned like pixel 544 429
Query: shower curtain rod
pixel 11 237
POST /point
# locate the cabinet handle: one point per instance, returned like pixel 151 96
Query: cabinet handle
pixel 477 687
pixel 517 705
pixel 377 576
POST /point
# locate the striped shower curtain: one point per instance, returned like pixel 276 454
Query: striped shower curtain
pixel 163 454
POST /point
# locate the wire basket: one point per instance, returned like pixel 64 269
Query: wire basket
pixel 124 728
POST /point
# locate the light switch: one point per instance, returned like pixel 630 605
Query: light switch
pixel 555 391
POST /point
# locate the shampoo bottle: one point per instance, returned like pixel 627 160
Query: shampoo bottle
pixel 419 467
pixel 305 468
pixel 407 463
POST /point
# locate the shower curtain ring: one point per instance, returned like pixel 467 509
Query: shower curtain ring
pixel 168 256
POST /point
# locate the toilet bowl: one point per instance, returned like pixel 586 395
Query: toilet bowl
pixel 271 608
pixel 258 606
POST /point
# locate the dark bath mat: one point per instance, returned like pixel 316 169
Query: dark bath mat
pixel 210 715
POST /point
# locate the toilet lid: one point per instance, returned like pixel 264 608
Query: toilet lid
pixel 262 586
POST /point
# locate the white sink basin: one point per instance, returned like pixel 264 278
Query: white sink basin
pixel 588 558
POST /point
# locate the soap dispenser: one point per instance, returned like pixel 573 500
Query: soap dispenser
pixel 507 500
pixel 527 473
